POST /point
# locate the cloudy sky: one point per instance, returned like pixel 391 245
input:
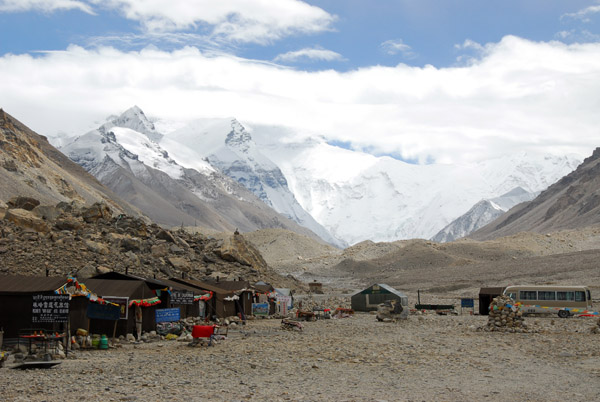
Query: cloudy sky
pixel 420 80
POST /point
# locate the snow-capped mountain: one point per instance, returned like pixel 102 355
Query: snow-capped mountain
pixel 343 195
pixel 358 196
pixel 481 214
pixel 354 195
pixel 136 167
pixel 227 146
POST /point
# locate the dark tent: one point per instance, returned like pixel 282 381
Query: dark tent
pixel 485 298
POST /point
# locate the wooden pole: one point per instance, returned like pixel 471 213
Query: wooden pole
pixel 115 331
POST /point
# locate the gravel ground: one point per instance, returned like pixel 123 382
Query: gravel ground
pixel 425 358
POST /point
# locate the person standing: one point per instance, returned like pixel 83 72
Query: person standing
pixel 138 322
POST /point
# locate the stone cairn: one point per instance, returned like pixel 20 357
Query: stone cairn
pixel 596 329
pixel 505 316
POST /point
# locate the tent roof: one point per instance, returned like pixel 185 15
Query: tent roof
pixel 203 285
pixel 491 291
pixel 13 284
pixel 386 287
pixel 120 288
pixel 152 283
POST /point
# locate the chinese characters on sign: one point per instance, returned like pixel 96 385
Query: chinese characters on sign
pixel 50 308
pixel 181 297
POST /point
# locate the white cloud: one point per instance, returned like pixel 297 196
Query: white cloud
pixel 520 96
pixel 44 5
pixel 395 46
pixel 257 21
pixel 583 14
pixel 237 21
pixel 309 54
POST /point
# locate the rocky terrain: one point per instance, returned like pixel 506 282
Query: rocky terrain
pixel 440 270
pixel 424 358
pixel 30 166
pixel 72 239
pixel 571 203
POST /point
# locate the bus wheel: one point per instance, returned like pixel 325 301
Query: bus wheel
pixel 563 314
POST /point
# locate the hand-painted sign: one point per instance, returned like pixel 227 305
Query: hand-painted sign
pixel 260 309
pixel 50 308
pixel 182 297
pixel 167 314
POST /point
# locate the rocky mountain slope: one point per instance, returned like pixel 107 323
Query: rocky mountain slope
pixel 139 170
pixel 573 202
pixel 84 241
pixel 460 267
pixel 30 166
pixel 482 213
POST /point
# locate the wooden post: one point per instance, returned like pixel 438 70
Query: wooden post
pixel 115 331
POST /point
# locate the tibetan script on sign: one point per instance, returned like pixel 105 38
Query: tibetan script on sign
pixel 50 308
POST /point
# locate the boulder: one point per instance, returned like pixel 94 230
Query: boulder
pixel 179 263
pixel 165 235
pixel 131 243
pixel 26 203
pixel 47 212
pixel 26 219
pixel 68 223
pixel 87 272
pixel 96 247
pixel 160 250
pixel 96 212
pixel 237 249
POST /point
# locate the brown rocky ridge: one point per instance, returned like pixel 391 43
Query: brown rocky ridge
pixel 84 241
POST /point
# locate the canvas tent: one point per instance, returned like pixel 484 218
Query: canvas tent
pixel 127 291
pixel 16 301
pixel 221 304
pixel 244 293
pixel 162 288
pixel 485 298
pixel 369 299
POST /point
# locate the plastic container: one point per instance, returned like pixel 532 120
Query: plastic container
pixel 95 341
pixel 103 344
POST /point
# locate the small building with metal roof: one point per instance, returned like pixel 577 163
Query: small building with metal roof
pixel 369 299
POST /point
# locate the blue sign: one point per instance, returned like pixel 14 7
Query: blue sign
pixel 167 315
pixel 467 303
pixel 103 311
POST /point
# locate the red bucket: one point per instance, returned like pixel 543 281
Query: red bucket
pixel 203 331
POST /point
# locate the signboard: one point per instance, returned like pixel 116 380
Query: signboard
pixel 260 309
pixel 182 297
pixel 465 302
pixel 103 311
pixel 167 314
pixel 123 303
pixel 50 308
pixel 286 300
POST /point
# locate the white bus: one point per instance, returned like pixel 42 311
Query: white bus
pixel 561 300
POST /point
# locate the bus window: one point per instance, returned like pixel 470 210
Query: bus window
pixel 546 295
pixel 528 295
pixel 579 296
pixel 569 296
pixel 589 295
pixel 512 295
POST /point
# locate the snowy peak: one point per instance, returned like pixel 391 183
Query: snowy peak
pixel 238 138
pixel 482 213
pixel 134 119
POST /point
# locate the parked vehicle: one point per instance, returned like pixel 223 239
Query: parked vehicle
pixel 562 300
